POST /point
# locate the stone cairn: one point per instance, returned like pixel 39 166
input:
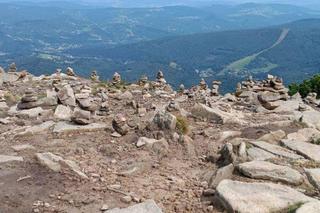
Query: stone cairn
pixel 29 100
pixel 160 78
pixel 143 80
pixel 203 85
pixel 215 88
pixel 116 79
pixel 70 72
pixel 94 76
pixel 12 68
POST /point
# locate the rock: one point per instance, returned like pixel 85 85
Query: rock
pixel 215 115
pixel 273 137
pixel 222 174
pixel 310 118
pixel 30 113
pixel 258 197
pixel 55 163
pixel 165 120
pixel 314 177
pixel 120 125
pixel 227 155
pixel 305 135
pixel 161 148
pixel 81 117
pixel 116 79
pixel 126 199
pixel 73 167
pixel 126 96
pixel 37 129
pixel 242 151
pixel 255 153
pixel 63 127
pixel 276 150
pixel 148 206
pixel 29 100
pixel 23 147
pixel 308 150
pixel 145 141
pixel 8 159
pixel 105 207
pixel 63 113
pixel 269 171
pixel 94 76
pixel 227 135
pixel 310 207
pixel 49 160
pixel 66 96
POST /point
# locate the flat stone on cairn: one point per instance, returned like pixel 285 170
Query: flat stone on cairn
pixel 203 85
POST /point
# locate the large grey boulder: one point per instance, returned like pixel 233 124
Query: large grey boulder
pixel 222 174
pixel 276 150
pixel 269 171
pixel 216 115
pixel 314 177
pixel 164 120
pixel 308 150
pixel 148 206
pixel 255 153
pixel 258 197
pixel 273 137
pixel 66 96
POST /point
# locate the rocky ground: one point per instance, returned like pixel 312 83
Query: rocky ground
pixel 70 144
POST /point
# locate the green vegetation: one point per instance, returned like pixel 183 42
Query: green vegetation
pixel 182 125
pixel 293 208
pixel 306 87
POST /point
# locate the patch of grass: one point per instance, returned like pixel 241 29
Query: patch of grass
pixel 293 208
pixel 315 141
pixel 182 125
pixel 11 99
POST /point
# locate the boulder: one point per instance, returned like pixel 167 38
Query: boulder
pixel 49 160
pixel 145 141
pixel 215 115
pixel 276 150
pixel 269 171
pixel 308 150
pixel 314 177
pixel 64 127
pixel 81 117
pixel 119 124
pixel 258 197
pixel 148 206
pixel 66 96
pixel 255 153
pixel 63 113
pixel 165 120
pixel 304 135
pixel 273 137
pixel 221 174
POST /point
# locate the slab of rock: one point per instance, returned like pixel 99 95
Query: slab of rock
pixel 269 171
pixel 314 177
pixel 63 113
pixel 258 197
pixel 308 150
pixel 312 207
pixel 37 129
pixel 165 120
pixel 64 127
pixel 49 160
pixel 255 153
pixel 30 113
pixel 273 137
pixel 22 147
pixel 215 115
pixel 55 163
pixel 148 206
pixel 304 135
pixel 276 150
pixel 222 174
pixel 8 158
